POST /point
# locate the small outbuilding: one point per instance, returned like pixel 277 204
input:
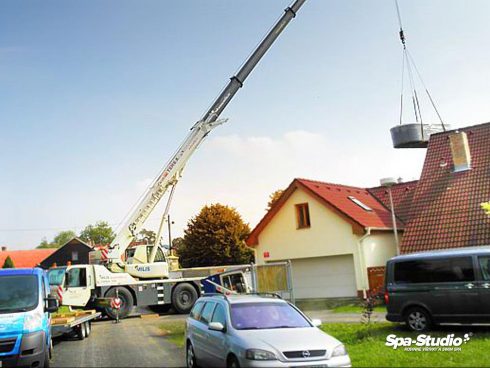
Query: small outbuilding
pixel 74 252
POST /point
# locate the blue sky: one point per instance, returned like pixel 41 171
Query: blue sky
pixel 96 95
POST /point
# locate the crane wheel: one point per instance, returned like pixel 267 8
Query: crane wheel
pixel 127 302
pixel 183 298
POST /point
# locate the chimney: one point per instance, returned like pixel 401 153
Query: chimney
pixel 460 150
pixel 4 249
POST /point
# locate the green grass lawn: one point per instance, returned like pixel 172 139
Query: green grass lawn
pixel 366 345
pixel 174 332
pixel 355 308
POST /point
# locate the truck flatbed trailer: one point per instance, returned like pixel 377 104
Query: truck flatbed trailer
pixel 78 323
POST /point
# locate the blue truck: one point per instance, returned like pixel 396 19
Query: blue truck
pixel 25 308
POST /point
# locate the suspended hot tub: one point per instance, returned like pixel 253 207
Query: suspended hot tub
pixel 414 135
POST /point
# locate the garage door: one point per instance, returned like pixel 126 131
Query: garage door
pixel 324 277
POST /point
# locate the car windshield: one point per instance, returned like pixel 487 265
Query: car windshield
pixel 56 275
pixel 258 316
pixel 18 293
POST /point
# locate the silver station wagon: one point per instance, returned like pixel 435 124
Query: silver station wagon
pixel 252 330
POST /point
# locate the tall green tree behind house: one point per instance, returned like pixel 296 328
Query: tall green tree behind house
pixel 147 236
pixel 99 233
pixel 216 236
pixel 59 240
pixel 8 263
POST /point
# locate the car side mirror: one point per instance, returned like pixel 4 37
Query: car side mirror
pixel 216 326
pixel 316 322
pixel 51 305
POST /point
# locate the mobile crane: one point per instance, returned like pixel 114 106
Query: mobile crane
pixel 144 278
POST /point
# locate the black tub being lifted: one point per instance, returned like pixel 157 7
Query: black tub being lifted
pixel 413 135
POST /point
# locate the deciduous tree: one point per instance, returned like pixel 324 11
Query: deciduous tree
pixel 216 236
pixel 100 233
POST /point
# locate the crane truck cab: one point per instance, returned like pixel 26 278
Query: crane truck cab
pixel 25 321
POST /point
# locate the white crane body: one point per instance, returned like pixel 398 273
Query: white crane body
pixel 144 278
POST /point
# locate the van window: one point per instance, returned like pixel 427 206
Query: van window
pixel 457 269
pixel 484 267
pixel 18 293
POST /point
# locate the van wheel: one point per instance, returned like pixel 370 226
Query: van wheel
pixel 417 319
pixel 183 298
pixel 127 302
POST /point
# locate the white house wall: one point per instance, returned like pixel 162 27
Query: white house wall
pixel 378 248
pixel 329 235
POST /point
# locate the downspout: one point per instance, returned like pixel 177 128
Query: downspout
pixel 362 261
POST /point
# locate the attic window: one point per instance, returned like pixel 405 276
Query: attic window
pixel 302 216
pixel 360 204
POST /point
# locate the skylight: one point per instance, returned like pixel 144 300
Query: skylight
pixel 360 204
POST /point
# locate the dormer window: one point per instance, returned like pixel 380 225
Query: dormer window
pixel 302 216
pixel 360 204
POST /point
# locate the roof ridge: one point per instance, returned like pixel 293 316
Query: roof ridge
pixel 397 184
pixel 329 183
pixel 465 128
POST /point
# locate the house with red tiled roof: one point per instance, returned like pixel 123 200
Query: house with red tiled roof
pixel 446 207
pixel 337 237
pixel 25 258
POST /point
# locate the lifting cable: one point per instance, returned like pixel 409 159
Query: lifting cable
pixel 408 63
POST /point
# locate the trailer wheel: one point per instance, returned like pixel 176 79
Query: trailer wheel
pixel 87 328
pixel 183 298
pixel 127 302
pixel 81 332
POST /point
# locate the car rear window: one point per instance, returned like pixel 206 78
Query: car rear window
pixel 256 316
pixel 455 269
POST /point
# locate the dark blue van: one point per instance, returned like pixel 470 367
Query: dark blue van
pixel 25 307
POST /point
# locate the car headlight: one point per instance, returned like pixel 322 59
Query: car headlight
pixel 257 354
pixel 339 351
pixel 33 321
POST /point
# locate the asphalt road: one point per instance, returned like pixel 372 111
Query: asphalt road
pixel 131 343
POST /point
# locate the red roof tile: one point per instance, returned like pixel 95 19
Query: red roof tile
pixel 26 258
pixel 402 194
pixel 446 210
pixel 336 197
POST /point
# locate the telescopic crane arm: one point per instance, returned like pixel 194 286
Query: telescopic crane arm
pixel 172 171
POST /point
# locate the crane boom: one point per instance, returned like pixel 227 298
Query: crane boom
pixel 173 169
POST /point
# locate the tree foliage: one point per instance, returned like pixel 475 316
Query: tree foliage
pixel 273 198
pixel 59 240
pixel 177 243
pixel 147 236
pixel 8 263
pixel 216 236
pixel 100 233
